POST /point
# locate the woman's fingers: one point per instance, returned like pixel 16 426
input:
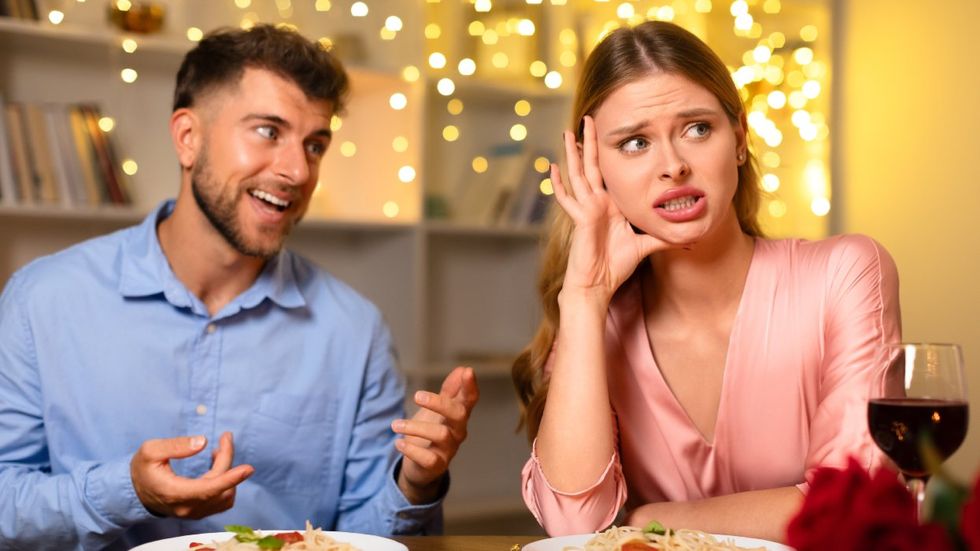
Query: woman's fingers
pixel 576 173
pixel 590 155
pixel 565 200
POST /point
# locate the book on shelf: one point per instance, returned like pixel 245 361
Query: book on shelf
pixel 502 195
pixel 23 176
pixel 94 191
pixel 522 210
pixel 39 147
pixel 56 154
pixel 8 182
pixel 114 183
pixel 19 9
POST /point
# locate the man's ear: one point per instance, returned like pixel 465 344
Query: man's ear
pixel 187 133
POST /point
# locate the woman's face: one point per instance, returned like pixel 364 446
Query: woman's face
pixel 669 157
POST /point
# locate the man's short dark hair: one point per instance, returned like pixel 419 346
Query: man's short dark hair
pixel 222 56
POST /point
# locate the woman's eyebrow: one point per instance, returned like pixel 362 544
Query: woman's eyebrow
pixel 686 114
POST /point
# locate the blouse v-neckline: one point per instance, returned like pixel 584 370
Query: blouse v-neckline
pixel 642 342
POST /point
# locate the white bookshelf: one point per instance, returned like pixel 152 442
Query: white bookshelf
pixel 451 291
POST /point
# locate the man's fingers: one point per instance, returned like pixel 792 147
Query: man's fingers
pixel 205 489
pixel 469 391
pixel 427 458
pixel 438 403
pixel 452 383
pixel 433 432
pixel 223 456
pixel 162 449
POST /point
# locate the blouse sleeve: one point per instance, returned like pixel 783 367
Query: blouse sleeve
pixel 861 313
pixel 586 511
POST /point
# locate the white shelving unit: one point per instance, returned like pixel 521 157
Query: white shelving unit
pixel 453 292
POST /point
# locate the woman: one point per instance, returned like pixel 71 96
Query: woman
pixel 686 367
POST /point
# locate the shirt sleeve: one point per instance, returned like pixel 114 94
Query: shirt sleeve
pixel 862 312
pixel 582 512
pixel 91 505
pixel 370 500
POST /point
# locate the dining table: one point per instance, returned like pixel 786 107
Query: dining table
pixel 466 543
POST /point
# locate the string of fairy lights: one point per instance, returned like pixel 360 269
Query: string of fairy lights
pixel 782 73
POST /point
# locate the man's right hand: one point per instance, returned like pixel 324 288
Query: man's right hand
pixel 164 493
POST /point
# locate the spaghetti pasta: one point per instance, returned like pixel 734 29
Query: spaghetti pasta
pixel 628 538
pixel 311 539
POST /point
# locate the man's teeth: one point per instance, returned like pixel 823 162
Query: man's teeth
pixel 680 203
pixel 269 198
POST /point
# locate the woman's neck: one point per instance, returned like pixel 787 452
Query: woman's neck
pixel 704 279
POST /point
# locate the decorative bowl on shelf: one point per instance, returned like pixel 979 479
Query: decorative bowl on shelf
pixel 136 17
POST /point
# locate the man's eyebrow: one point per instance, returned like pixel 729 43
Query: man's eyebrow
pixel 687 114
pixel 325 133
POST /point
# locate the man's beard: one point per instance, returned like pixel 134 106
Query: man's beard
pixel 221 211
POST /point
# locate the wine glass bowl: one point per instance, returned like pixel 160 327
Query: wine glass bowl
pixel 917 408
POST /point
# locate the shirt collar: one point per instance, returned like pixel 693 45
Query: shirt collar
pixel 144 271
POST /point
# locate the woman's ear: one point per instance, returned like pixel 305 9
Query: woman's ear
pixel 186 131
pixel 741 141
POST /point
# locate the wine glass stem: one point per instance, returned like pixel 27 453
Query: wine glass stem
pixel 917 486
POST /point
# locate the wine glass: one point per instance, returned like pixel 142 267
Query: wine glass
pixel 918 402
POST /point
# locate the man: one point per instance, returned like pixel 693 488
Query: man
pixel 188 372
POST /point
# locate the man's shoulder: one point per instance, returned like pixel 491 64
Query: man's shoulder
pixel 75 268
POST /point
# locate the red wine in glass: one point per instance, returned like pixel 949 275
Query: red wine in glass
pixel 918 401
pixel 901 426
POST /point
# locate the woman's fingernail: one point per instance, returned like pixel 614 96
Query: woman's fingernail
pixel 397 425
pixel 197 442
pixel 421 397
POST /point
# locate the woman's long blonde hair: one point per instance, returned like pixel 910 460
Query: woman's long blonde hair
pixel 625 55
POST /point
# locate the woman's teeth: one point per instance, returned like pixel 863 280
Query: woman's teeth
pixel 679 203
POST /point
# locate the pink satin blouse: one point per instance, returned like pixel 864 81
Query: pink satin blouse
pixel 794 393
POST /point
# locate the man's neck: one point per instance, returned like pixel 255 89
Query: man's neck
pixel 202 259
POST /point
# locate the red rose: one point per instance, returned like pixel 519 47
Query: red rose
pixel 970 519
pixel 848 510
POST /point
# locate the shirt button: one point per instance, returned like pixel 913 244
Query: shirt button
pixel 201 409
pixel 212 328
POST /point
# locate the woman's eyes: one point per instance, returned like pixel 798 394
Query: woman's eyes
pixel 699 130
pixel 634 145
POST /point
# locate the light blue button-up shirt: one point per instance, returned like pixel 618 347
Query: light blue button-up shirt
pixel 102 348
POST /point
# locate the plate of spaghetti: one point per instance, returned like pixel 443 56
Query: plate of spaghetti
pixel 243 538
pixel 628 538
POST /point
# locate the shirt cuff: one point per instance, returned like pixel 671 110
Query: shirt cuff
pixel 109 488
pixel 410 519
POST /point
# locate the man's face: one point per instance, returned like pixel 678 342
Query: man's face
pixel 260 159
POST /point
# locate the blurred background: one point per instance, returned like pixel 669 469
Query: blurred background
pixel 431 201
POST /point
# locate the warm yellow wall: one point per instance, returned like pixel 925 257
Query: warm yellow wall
pixel 908 133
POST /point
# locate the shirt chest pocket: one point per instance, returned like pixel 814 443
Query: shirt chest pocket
pixel 287 438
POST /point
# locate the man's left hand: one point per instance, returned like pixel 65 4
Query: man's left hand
pixel 433 435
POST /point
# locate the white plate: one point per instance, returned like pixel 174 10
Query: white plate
pixel 364 542
pixel 559 543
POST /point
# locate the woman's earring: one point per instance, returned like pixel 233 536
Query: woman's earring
pixel 741 157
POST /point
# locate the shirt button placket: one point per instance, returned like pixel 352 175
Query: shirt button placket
pixel 202 398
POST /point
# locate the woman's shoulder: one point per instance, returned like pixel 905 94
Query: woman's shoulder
pixel 834 251
pixel 836 262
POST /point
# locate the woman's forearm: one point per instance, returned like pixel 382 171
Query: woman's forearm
pixel 758 514
pixel 575 439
